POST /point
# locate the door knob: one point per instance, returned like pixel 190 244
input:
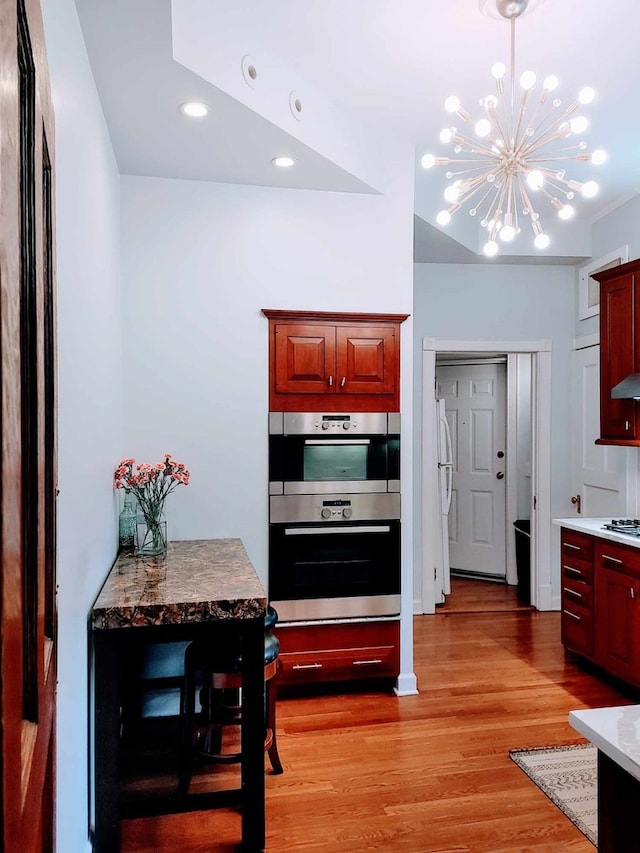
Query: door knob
pixel 499 475
pixel 500 454
pixel 576 500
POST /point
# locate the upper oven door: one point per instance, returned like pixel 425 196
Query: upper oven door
pixel 322 454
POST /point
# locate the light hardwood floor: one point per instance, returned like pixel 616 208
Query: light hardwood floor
pixel 423 774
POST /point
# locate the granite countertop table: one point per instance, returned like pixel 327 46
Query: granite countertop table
pixel 196 581
pixel 594 527
pixel 199 589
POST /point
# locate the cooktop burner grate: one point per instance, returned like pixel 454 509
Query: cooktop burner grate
pixel 624 525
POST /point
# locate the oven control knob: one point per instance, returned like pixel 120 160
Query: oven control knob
pixel 326 512
pixel 325 425
pixel 347 512
pixel 346 425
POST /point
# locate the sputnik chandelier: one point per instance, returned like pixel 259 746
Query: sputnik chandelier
pixel 517 153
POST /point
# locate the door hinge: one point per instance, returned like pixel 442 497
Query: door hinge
pixel 535 501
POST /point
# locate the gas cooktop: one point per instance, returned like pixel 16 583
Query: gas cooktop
pixel 624 525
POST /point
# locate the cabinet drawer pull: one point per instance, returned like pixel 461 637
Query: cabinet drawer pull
pixel 613 559
pixel 330 381
pixel 573 615
pixel 569 545
pixel 572 570
pixel 572 592
pixel 366 662
pixel 307 666
pixel 343 381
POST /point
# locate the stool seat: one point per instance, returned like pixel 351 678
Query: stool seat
pixel 217 671
pixel 219 659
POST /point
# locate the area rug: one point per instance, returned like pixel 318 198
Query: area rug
pixel 568 776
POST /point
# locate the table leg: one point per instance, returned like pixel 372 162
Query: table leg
pixel 618 807
pixel 106 737
pixel 253 730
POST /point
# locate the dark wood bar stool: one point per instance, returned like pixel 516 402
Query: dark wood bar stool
pixel 217 674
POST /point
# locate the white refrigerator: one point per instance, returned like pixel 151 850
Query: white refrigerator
pixel 445 480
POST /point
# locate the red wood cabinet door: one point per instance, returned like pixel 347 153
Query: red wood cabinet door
pixel 617 623
pixel 617 341
pixel 367 359
pixel 305 358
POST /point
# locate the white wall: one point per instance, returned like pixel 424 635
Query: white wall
pixel 502 302
pixel 200 261
pixel 89 390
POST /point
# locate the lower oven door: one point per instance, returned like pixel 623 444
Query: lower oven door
pixel 334 571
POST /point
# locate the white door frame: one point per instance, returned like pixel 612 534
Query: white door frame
pixel 540 461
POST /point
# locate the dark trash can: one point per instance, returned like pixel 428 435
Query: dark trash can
pixel 523 559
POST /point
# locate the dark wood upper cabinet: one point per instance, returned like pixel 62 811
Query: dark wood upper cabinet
pixel 334 362
pixel 619 350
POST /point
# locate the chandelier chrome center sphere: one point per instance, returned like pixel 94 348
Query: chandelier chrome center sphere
pixel 516 154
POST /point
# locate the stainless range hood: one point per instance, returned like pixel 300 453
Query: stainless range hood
pixel 628 389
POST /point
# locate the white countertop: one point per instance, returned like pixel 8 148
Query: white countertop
pixel 593 526
pixel 614 731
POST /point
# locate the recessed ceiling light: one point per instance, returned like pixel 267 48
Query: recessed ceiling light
pixel 194 109
pixel 283 162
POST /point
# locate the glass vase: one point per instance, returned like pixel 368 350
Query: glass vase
pixel 151 536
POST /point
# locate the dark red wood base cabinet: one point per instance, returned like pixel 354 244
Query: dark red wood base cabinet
pixel 601 603
pixel 338 652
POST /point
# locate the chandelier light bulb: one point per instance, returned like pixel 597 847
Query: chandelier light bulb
pixel 507 233
pixel 445 135
pixel 443 218
pixel 490 103
pixel 498 69
pixel 551 83
pixel 483 127
pixel 599 157
pixel 452 104
pixel 566 211
pixel 590 189
pixel 527 80
pixel 452 193
pixel 490 248
pixel 541 241
pixel 579 124
pixel 535 179
pixel 427 161
pixel 586 95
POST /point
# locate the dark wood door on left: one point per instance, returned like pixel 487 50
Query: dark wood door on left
pixel 28 456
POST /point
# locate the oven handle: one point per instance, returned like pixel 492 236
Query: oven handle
pixel 337 441
pixel 330 529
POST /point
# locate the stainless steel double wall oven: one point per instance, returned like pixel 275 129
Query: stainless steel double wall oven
pixel 334 515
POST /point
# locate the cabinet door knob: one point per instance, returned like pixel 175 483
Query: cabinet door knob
pixel 330 381
pixel 343 381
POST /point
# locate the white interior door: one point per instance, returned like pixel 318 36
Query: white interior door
pixel 600 472
pixel 476 411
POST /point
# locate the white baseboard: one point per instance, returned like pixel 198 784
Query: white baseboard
pixel 556 603
pixel 407 684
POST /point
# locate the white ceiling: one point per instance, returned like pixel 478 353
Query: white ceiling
pixel 367 72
